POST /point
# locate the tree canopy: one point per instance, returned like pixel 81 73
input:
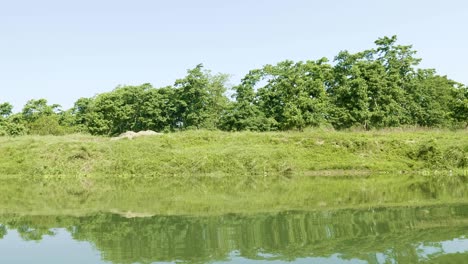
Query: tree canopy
pixel 375 88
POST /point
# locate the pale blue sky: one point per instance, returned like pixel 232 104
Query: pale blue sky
pixel 64 50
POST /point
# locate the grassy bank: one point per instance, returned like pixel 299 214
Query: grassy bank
pixel 216 172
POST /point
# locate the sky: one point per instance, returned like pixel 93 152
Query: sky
pixel 63 50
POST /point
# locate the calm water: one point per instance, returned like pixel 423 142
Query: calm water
pixel 394 235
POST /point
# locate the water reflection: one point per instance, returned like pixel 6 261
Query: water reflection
pixel 437 234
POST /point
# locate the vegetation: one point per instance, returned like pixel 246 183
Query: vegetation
pixel 218 172
pixel 202 168
pixel 375 88
pixel 369 130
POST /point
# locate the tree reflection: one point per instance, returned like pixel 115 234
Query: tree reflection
pixel 391 235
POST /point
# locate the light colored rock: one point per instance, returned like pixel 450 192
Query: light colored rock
pixel 132 135
pixel 147 133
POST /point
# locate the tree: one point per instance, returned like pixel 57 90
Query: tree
pixel 459 105
pixel 375 88
pixel 217 101
pixel 46 125
pixel 349 92
pixel 80 113
pixel 193 96
pixel 12 125
pixel 431 99
pixel 370 87
pixel 113 112
pixel 200 99
pixel 37 108
pixel 42 119
pixel 5 110
pixel 158 110
pixel 295 93
pixel 129 108
pixel 244 113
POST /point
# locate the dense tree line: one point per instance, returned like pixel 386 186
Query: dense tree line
pixel 375 88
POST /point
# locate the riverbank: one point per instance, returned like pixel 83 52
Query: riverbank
pixel 203 172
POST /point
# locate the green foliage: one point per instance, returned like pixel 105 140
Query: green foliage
pixel 295 93
pixel 114 112
pixel 370 87
pixel 200 99
pixel 39 118
pixel 373 89
pixel 34 109
pixel 194 102
pixel 431 100
pixel 46 125
pixel 195 155
pixel 80 114
pixel 10 125
pixel 208 172
pixel 459 105
pixel 192 98
pixel 5 110
pixel 244 113
pixel 8 128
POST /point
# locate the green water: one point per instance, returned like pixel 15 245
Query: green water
pixel 437 234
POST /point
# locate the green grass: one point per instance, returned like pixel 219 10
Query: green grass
pixel 204 172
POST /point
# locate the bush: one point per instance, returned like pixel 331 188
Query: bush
pixel 456 157
pixel 12 129
pixel 47 125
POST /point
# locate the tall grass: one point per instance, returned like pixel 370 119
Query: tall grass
pixel 206 171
